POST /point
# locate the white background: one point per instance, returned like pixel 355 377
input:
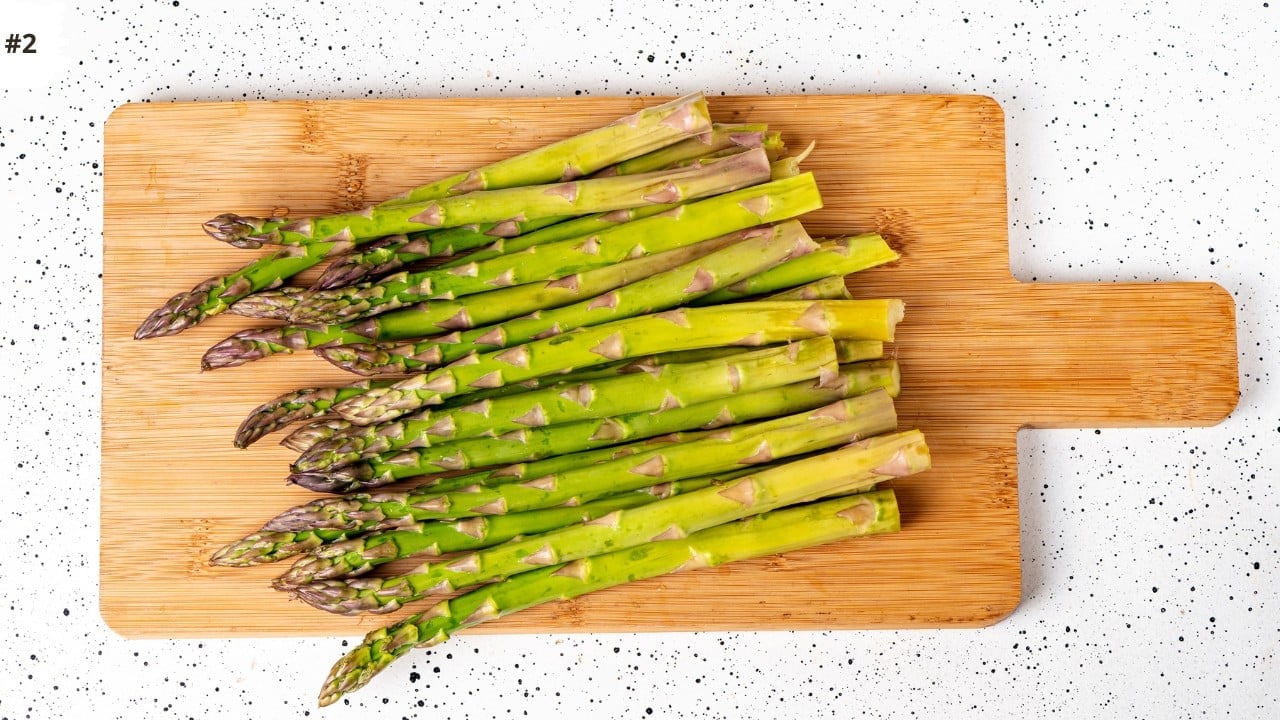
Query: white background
pixel 1141 145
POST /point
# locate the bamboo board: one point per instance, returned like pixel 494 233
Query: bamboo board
pixel 982 354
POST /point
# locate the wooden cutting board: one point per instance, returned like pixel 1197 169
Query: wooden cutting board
pixel 982 354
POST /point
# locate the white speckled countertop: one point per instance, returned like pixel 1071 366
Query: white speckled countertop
pixel 1141 145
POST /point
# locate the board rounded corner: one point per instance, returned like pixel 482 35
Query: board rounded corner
pixel 111 620
pixel 120 113
pixel 996 614
pixel 992 106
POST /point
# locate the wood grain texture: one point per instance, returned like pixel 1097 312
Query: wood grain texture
pixel 982 354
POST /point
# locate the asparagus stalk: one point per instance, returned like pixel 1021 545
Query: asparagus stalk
pixel 327 428
pixel 859 466
pixel 298 405
pixel 540 442
pixel 512 204
pixel 637 134
pixel 340 553
pixel 835 257
pixel 775 532
pixel 752 252
pixel 269 304
pixel 759 442
pixel 452 315
pixel 395 251
pixel 740 136
pixel 667 387
pixel 308 435
pixel 399 250
pixel 368 512
pixel 853 351
pixel 829 288
pixel 358 556
pixel 316 431
pixel 389 509
pixel 583 227
pixel 684 329
pixel 684 225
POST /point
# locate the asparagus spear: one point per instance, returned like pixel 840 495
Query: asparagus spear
pixel 754 251
pixel 634 135
pixel 452 315
pixel 747 324
pixel 740 136
pixel 298 405
pixel 592 224
pixel 269 304
pixel 668 386
pixel 780 437
pixel 859 466
pixel 339 553
pixel 642 132
pixel 370 511
pixel 326 428
pixel 400 250
pixel 775 532
pixel 357 556
pixel 367 512
pixel 683 225
pixel 309 435
pixel 316 431
pixel 853 351
pixel 829 288
pixel 512 204
pixel 836 257
pixel 388 254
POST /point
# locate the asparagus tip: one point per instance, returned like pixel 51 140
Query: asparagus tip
pixel 335 481
pixel 179 313
pixel 234 230
pixel 244 347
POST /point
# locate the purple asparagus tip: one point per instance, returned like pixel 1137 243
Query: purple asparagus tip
pixel 337 481
pixel 241 348
pixel 179 313
pixel 238 230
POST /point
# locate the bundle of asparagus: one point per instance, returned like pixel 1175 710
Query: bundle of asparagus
pixel 613 357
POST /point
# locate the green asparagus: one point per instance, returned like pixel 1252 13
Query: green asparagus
pixel 746 324
pixel 776 532
pixel 667 387
pixel 369 512
pixel 637 134
pixel 642 132
pixel 540 442
pixel 754 251
pixel 298 405
pixel 357 556
pixel 853 351
pixel 399 250
pixel 684 225
pixel 830 288
pixel 512 204
pixel 857 467
pixel 835 257
pixel 432 318
pixel 765 441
